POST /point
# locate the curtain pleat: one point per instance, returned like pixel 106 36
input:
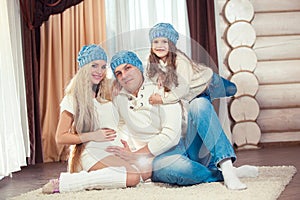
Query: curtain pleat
pixel 201 15
pixel 31 71
pixel 34 13
pixel 14 136
pixel 45 8
pixel 62 36
pixel 203 30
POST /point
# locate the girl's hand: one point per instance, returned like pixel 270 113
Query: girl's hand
pixel 160 81
pixel 155 99
pixel 100 135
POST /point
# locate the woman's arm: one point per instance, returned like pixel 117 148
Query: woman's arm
pixel 65 133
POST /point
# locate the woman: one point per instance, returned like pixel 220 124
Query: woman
pixel 88 120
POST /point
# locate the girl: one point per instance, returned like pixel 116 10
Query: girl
pixel 204 140
pixel 181 77
pixel 88 121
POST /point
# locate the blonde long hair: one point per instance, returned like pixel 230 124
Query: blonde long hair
pixel 85 115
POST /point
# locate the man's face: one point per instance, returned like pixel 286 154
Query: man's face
pixel 129 77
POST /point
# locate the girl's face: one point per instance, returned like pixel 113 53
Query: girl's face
pixel 98 71
pixel 160 46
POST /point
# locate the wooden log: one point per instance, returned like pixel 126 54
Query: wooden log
pixel 222 25
pixel 240 34
pixel 278 96
pixel 247 147
pixel 244 108
pixel 220 4
pixel 275 5
pixel 224 49
pixel 246 133
pixel 279 120
pixel 280 137
pixel 242 59
pixel 275 72
pixel 237 10
pixel 277 48
pixel 264 25
pixel 246 83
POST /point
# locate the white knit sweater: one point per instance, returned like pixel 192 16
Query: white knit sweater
pixel 190 83
pixel 157 126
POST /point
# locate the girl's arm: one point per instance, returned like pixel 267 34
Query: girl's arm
pixel 65 133
pixel 190 83
pixel 184 71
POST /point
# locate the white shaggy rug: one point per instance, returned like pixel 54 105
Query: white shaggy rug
pixel 268 186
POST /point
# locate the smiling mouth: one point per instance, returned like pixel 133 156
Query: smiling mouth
pixel 160 49
pixel 98 76
pixel 127 81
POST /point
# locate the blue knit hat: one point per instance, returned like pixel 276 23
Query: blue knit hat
pixel 127 57
pixel 90 53
pixel 163 30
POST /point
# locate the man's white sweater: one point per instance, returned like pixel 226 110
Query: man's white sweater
pixel 159 126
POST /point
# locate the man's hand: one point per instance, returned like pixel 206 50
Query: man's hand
pixel 126 154
pixel 155 99
pixel 123 152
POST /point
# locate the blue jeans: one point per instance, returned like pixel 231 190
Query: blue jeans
pixel 195 159
pixel 219 87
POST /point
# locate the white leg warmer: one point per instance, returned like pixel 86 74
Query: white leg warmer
pixel 110 177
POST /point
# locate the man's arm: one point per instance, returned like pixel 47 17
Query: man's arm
pixel 171 118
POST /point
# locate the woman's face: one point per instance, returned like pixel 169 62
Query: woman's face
pixel 160 46
pixel 98 71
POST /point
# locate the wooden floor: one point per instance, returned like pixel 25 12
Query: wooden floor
pixel 35 176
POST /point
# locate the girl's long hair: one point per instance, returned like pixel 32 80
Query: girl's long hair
pixel 169 77
pixel 85 115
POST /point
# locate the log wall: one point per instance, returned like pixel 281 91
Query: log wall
pixel 272 64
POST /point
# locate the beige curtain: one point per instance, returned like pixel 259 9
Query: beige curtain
pixel 62 36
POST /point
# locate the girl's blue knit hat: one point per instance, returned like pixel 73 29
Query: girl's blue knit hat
pixel 127 57
pixel 89 53
pixel 163 30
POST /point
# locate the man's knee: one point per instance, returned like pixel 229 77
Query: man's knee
pixel 199 103
pixel 199 107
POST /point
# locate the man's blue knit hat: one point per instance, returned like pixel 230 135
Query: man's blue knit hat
pixel 90 53
pixel 163 30
pixel 127 57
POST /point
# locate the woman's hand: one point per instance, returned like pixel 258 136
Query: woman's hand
pixel 155 99
pixel 100 135
pixel 116 88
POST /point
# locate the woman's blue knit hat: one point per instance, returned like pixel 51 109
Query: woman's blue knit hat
pixel 163 30
pixel 89 53
pixel 127 57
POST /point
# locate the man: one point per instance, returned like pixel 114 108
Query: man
pixel 204 154
pixel 153 129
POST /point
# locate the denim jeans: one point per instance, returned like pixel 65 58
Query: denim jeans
pixel 219 87
pixel 195 159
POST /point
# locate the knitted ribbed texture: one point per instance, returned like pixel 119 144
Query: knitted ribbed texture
pixel 165 30
pixel 127 57
pixel 90 53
